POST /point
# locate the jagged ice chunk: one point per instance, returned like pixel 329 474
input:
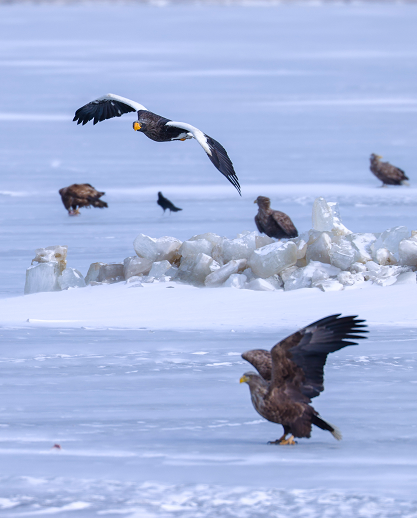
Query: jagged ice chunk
pixel 273 258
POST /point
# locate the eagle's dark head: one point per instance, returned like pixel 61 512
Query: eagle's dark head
pixel 375 158
pixel 263 202
pixel 252 379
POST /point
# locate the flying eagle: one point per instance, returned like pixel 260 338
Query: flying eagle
pixel 271 222
pixel 387 173
pixel 81 195
pixel 157 128
pixel 292 373
pixel 166 204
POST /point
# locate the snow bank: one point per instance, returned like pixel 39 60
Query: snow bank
pixel 329 257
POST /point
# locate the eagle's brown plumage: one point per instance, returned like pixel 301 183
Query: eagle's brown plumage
pixel 81 195
pixel 271 222
pixel 387 173
pixel 292 373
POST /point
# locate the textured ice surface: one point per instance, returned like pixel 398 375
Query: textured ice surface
pixel 236 280
pixel 329 285
pixel 93 271
pixel 390 239
pixel 319 250
pixel 383 256
pixel 310 275
pixel 135 281
pixel 239 248
pixel 343 254
pixel 71 278
pixel 195 247
pixel 194 269
pixel 157 249
pixel 407 251
pixel 326 217
pixel 220 275
pixel 134 266
pixel 149 425
pixel 324 101
pixel 111 273
pixel 42 277
pixel 272 259
pixel 260 285
pixel 362 243
pixel 57 254
pixel 159 269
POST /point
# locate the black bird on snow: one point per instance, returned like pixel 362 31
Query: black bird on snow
pixel 166 204
pixel 157 128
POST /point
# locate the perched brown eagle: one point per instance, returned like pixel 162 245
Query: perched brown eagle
pixel 292 373
pixel 81 195
pixel 157 128
pixel 271 222
pixel 387 173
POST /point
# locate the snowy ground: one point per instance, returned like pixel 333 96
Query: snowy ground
pixel 140 386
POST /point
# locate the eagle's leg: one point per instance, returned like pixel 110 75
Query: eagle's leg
pixel 282 438
pixel 278 441
pixel 289 441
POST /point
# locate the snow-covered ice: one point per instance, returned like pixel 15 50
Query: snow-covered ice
pixel 300 96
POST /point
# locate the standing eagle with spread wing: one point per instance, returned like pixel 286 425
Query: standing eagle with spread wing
pixel 81 195
pixel 157 128
pixel 292 373
pixel 386 172
pixel 271 222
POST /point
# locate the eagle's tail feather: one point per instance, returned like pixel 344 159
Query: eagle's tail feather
pixel 96 202
pixel 327 426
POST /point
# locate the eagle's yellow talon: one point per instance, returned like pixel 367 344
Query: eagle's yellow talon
pixel 289 441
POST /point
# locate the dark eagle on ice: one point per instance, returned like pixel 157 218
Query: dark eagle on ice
pixel 292 373
pixel 157 128
pixel 387 173
pixel 81 195
pixel 271 222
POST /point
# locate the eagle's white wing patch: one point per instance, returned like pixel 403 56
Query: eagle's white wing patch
pixel 197 134
pixel 136 106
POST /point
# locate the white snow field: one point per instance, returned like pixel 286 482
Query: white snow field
pixel 140 386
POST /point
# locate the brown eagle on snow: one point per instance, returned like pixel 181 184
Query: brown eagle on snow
pixel 271 222
pixel 292 373
pixel 387 173
pixel 81 195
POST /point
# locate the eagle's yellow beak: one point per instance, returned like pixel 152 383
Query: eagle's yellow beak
pixel 256 201
pixel 136 126
pixel 244 379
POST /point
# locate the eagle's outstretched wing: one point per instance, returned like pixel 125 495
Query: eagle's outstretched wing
pixel 308 349
pixel 106 107
pixel 215 151
pixel 261 360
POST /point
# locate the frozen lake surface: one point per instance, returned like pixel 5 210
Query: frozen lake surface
pixel 146 404
pixel 156 424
